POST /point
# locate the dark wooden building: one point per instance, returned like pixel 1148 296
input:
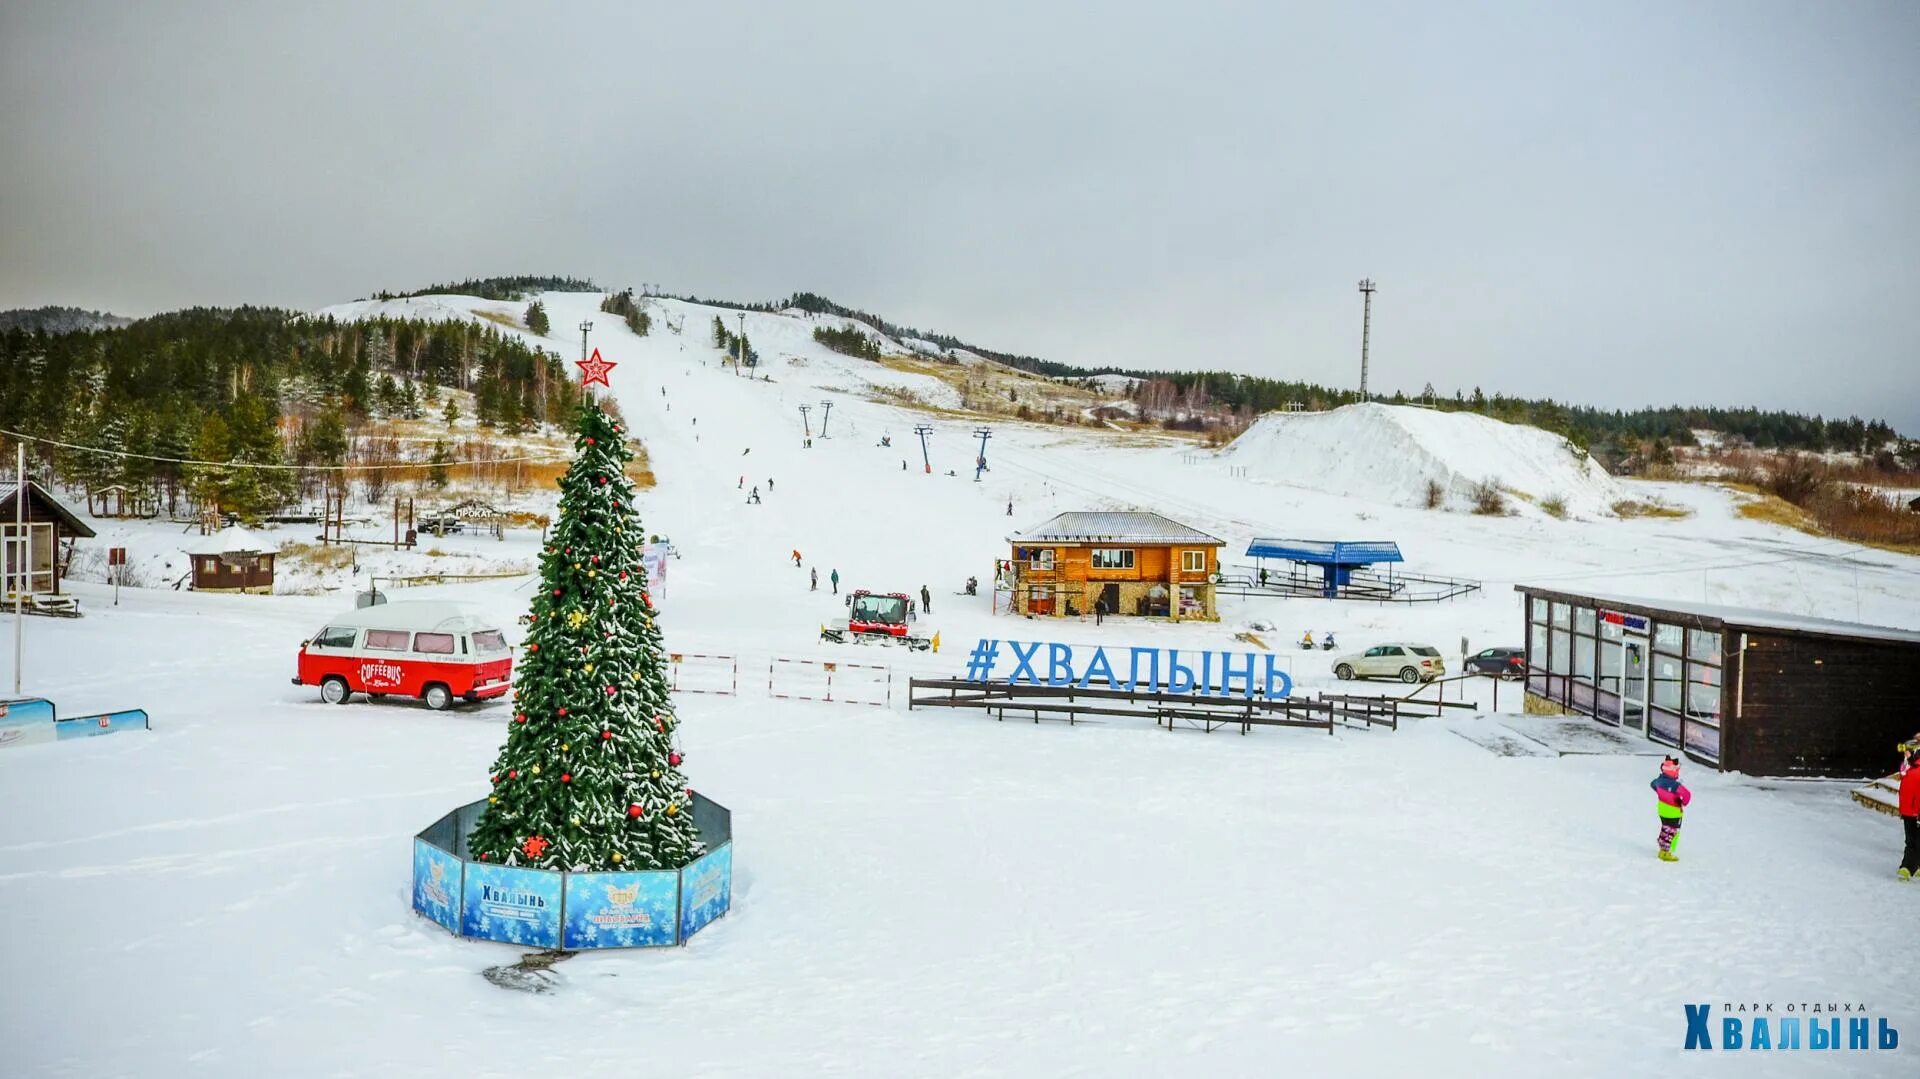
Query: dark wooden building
pixel 233 560
pixel 35 559
pixel 1759 692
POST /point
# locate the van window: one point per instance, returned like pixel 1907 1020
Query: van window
pixel 391 640
pixel 438 644
pixel 489 640
pixel 335 637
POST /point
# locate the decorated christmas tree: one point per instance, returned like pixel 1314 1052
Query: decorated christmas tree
pixel 589 779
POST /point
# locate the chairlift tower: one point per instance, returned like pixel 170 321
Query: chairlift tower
pixel 980 462
pixel 923 430
pixel 804 422
pixel 1366 324
pixel 825 416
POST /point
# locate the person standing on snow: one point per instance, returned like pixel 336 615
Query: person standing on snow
pixel 926 600
pixel 814 584
pixel 769 484
pixel 1674 797
pixel 1910 810
pixel 834 576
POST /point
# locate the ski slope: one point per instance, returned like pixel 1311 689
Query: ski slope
pixel 1391 452
pixel 933 894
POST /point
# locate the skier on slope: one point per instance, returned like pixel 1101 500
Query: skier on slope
pixel 1674 797
pixel 926 600
pixel 834 576
pixel 813 583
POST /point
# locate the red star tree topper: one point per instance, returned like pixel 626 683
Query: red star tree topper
pixel 594 369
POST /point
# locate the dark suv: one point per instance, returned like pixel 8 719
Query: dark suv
pixel 1499 663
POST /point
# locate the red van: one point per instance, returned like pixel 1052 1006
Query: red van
pixel 430 650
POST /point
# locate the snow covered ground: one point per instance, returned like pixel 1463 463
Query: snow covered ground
pixel 937 894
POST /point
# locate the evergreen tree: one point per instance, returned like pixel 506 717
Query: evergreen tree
pixel 437 466
pixel 589 779
pixel 409 400
pixel 451 413
pixel 537 318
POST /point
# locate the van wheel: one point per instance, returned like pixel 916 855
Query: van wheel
pixel 1409 675
pixel 437 696
pixel 333 690
pixel 1343 673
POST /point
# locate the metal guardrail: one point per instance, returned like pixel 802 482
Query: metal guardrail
pixel 1166 709
pixel 1362 586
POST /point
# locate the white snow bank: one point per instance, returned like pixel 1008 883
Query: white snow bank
pixel 235 540
pixel 1389 452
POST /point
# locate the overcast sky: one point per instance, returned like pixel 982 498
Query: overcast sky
pixel 1617 204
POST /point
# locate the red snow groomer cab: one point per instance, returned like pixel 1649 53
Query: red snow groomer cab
pixel 878 617
pixel 438 652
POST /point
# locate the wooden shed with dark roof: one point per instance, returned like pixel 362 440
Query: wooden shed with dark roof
pixel 38 550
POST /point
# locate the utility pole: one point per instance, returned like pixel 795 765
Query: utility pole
pixel 585 328
pixel 1366 325
pixel 24 565
pixel 740 359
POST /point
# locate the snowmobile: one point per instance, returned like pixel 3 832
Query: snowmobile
pixel 875 617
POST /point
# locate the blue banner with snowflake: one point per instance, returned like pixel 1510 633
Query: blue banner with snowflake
pixel 512 905
pixel 436 884
pixel 621 910
pixel 706 889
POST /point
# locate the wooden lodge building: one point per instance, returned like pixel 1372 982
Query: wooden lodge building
pixel 1136 564
pixel 233 560
pixel 35 558
pixel 1758 692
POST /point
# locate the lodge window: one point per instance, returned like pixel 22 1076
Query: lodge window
pixel 437 644
pixel 1043 558
pixel 390 640
pixel 1193 561
pixel 1112 558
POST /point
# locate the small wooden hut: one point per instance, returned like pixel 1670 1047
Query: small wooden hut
pixel 233 560
pixel 35 557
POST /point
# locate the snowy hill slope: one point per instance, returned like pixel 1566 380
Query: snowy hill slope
pixel 1390 452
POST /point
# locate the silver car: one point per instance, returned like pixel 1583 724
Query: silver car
pixel 1407 662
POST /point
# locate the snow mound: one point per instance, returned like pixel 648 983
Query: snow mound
pixel 1389 453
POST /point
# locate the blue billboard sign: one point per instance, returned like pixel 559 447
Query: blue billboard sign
pixel 26 723
pixel 512 905
pixel 133 719
pixel 436 885
pixel 706 889
pixel 621 910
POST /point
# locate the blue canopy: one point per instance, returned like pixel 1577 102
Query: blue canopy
pixel 1326 552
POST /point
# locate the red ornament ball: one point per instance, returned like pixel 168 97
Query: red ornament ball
pixel 513 773
pixel 556 591
pixel 533 648
pixel 563 711
pixel 611 691
pixel 623 575
pixel 673 758
pixel 603 481
pixel 493 779
pixel 606 736
pixel 566 777
pixel 519 717
pixel 634 810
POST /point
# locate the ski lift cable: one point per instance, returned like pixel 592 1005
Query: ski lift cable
pixel 276 467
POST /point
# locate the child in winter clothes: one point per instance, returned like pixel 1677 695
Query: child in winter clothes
pixel 1673 804
pixel 1910 812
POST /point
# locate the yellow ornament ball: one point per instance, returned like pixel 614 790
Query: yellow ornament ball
pixel 589 668
pixel 593 573
pixel 576 822
pixel 536 769
pixel 616 856
pixel 576 565
pixel 564 747
pixel 672 809
pixel 492 801
pixel 656 774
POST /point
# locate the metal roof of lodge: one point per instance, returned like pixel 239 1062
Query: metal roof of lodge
pixel 1103 527
pixel 1742 617
pixel 1326 552
pixel 60 509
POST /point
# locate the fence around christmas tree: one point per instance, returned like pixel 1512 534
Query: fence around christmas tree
pixel 571 911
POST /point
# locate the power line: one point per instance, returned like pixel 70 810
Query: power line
pixel 276 467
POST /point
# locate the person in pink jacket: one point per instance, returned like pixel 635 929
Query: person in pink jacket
pixel 1672 806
